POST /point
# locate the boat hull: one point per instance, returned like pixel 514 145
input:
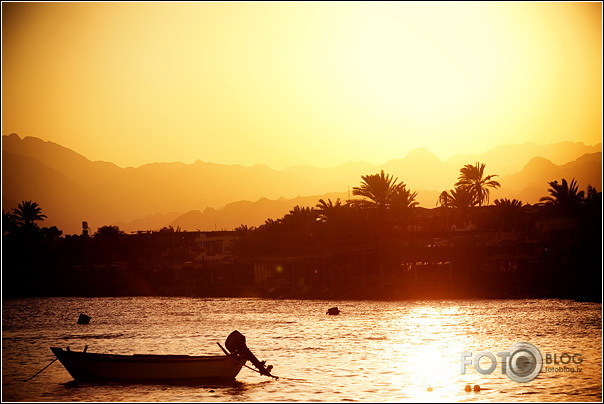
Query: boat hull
pixel 83 366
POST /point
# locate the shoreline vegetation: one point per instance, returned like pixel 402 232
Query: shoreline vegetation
pixel 378 245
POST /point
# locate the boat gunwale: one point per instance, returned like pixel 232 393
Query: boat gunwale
pixel 93 356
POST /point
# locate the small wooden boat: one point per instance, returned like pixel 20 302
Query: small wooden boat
pixel 86 366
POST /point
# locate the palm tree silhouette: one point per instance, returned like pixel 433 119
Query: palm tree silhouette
pixel 472 177
pixel 299 212
pixel 404 198
pixel 328 209
pixel 9 223
pixel 271 223
pixel 244 229
pixel 445 199
pixel 564 195
pixel 170 229
pixel 460 198
pixel 27 213
pixel 507 203
pixel 400 206
pixel 509 211
pixel 380 191
pixel 300 218
pixel 593 198
pixel 108 232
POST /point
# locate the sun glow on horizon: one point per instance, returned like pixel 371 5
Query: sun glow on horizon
pixel 283 84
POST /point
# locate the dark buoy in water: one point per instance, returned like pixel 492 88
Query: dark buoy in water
pixel 83 319
pixel 429 389
pixel 476 387
pixel 468 388
pixel 333 311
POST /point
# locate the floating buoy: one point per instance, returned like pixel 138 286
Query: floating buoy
pixel 83 319
pixel 429 389
pixel 468 388
pixel 333 311
pixel 476 387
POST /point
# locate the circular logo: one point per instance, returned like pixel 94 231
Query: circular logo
pixel 524 363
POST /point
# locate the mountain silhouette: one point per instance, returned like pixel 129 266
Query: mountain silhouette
pixel 70 188
pixel 422 170
pixel 510 159
pixel 527 185
pixel 25 178
pixel 245 212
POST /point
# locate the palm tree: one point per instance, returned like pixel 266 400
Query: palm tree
pixel 506 203
pixel 403 198
pixel 461 198
pixel 508 211
pixel 242 246
pixel 593 198
pixel 472 177
pixel 380 190
pixel 108 232
pixel 328 209
pixel 27 214
pixel 9 222
pixel 244 229
pixel 271 223
pixel 386 201
pixel 564 195
pixel 299 212
pixel 300 218
pixel 445 199
pixel 170 229
pixel 400 205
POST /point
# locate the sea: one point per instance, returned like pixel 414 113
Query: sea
pixel 373 351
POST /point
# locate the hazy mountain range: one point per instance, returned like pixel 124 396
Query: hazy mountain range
pixel 207 196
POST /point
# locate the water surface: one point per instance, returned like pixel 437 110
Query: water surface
pixel 373 351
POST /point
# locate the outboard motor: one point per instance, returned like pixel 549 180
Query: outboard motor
pixel 235 343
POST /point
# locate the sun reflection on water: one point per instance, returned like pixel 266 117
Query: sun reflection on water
pixel 427 362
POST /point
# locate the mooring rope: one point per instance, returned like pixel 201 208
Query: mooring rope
pixel 53 361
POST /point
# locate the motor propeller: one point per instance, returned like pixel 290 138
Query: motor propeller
pixel 235 343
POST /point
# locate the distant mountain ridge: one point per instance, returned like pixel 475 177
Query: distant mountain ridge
pixel 71 189
pixel 557 153
pixel 527 185
pixel 245 212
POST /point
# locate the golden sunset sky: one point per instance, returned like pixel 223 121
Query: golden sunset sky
pixel 293 83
